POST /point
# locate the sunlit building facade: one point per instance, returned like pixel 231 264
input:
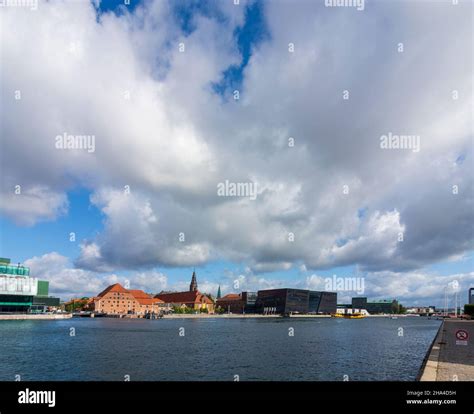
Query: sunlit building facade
pixel 21 293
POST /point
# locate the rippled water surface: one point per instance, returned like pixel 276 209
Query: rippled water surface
pixel 215 349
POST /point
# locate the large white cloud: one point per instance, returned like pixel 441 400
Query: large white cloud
pixel 411 288
pixel 33 204
pixel 67 282
pixel 161 130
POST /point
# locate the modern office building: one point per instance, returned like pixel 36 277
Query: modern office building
pixel 322 302
pixel 21 293
pixel 471 296
pixel 378 306
pixel 249 299
pixel 42 301
pixel 287 301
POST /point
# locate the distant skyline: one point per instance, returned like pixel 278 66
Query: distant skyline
pixel 255 142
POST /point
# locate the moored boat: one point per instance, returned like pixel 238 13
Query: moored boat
pixel 348 315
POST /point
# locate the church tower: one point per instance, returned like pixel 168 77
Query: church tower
pixel 193 287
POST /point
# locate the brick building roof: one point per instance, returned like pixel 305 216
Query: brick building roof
pixel 117 287
pixel 148 301
pixel 230 296
pixel 139 294
pixel 184 297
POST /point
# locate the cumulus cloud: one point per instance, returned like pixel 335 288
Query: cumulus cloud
pixel 67 281
pixel 419 288
pixel 135 236
pixel 378 230
pixel 33 204
pixel 163 132
pixel 412 288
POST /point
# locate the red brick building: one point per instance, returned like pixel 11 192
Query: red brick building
pixel 192 299
pixel 115 299
pixel 231 303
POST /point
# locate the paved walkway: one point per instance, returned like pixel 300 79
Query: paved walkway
pixel 447 360
pixel 25 316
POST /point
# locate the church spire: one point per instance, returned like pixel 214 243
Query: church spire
pixel 193 287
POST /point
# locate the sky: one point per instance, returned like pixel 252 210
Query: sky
pixel 292 99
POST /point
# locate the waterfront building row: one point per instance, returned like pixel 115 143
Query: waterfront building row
pixel 280 301
pixel 115 299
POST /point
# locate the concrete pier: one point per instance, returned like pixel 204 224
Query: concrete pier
pixel 29 317
pixel 450 358
pixel 223 316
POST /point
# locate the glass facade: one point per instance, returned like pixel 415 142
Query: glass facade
pixel 45 301
pixel 249 300
pixel 328 302
pixel 286 301
pixel 314 301
pixel 296 301
pixel 18 270
pixel 381 306
pixel 15 304
pixel 20 293
pixel 274 299
pixel 18 285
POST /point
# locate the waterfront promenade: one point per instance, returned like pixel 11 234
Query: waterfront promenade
pixel 19 317
pixel 236 316
pixel 223 316
pixel 448 358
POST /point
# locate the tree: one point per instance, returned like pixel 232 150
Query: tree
pixel 178 309
pixel 210 297
pixel 469 309
pixel 75 305
pixel 401 308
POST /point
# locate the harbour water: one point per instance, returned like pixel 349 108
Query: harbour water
pixel 214 349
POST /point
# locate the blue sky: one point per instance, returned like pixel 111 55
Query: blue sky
pixel 176 135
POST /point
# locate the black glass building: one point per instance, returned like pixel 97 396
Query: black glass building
pixel 287 301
